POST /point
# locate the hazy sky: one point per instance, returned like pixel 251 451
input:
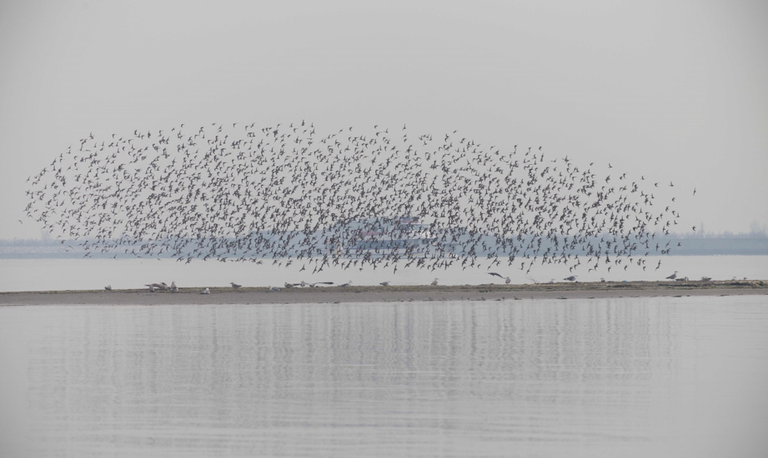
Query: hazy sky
pixel 673 90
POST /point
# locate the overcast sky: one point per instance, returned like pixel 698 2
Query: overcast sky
pixel 673 90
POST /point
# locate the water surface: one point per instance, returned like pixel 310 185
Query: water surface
pixel 619 377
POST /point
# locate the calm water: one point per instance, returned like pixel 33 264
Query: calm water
pixel 677 377
pixel 95 274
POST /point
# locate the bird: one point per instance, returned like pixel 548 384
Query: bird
pixel 235 285
pixel 344 285
pixel 274 288
pixel 108 287
pixel 205 291
pixel 673 276
pixel 495 274
pixel 570 278
pixel 706 278
pixel 434 282
pixel 384 283
pixel 507 280
pixel 174 288
pixel 313 285
pixel 161 286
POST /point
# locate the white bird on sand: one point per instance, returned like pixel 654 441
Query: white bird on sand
pixel 174 288
pixel 274 288
pixel 706 278
pixel 434 282
pixel 571 278
pixel 673 276
pixel 205 291
pixel 344 285
pixel 235 285
pixel 108 287
pixel 160 286
pixel 384 283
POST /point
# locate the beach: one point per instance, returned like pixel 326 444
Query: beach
pixel 366 294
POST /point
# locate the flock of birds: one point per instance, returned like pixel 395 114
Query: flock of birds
pixel 287 194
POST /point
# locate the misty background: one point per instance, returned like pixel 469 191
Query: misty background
pixel 670 91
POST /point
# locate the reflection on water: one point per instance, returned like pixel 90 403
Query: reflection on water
pixel 624 377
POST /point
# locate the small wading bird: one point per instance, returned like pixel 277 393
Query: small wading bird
pixel 673 276
pixel 205 291
pixel 434 282
pixel 153 286
pixel 570 278
pixel 312 285
pixel 235 285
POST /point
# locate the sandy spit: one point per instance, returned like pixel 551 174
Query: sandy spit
pixel 359 294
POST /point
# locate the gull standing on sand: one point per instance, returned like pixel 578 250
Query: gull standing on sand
pixel 205 291
pixel 235 285
pixel 673 276
pixel 434 282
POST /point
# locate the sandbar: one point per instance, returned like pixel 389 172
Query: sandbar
pixel 366 294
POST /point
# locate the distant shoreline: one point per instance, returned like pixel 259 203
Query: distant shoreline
pixel 359 294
